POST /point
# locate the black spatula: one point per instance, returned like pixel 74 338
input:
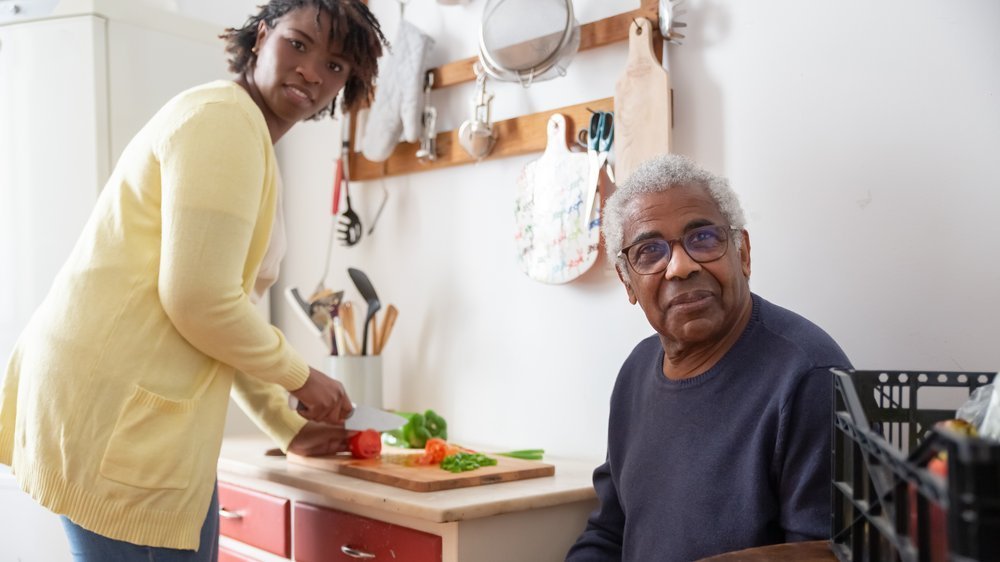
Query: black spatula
pixel 367 291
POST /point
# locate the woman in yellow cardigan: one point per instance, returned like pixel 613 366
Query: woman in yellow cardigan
pixel 113 402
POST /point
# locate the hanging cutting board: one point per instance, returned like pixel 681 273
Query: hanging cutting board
pixel 393 470
pixel 553 244
pixel 642 104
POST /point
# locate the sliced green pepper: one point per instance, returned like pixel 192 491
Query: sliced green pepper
pixel 461 462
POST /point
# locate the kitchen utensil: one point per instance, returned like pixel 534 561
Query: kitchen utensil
pixel 367 291
pixel 393 469
pixel 669 10
pixel 391 313
pixel 317 315
pixel 428 138
pixel 366 417
pixel 350 224
pixel 516 48
pixel 300 307
pixel 347 318
pixel 381 205
pixel 553 244
pixel 337 179
pixel 477 135
pixel 600 136
pixel 643 119
pixel 339 346
pixel 375 334
pixel 363 417
pixel 323 306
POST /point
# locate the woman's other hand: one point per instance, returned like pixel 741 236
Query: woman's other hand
pixel 323 399
pixel 318 439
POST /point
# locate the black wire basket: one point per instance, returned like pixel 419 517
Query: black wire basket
pixel 887 504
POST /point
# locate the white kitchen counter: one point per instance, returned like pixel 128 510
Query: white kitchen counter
pixel 244 458
pixel 543 515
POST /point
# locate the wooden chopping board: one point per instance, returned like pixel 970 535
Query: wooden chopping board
pixel 643 120
pixel 392 470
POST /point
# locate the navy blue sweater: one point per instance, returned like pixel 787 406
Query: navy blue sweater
pixel 736 457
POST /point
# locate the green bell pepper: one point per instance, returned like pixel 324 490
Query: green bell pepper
pixel 418 429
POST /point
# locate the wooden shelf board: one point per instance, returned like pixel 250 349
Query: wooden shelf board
pixel 516 136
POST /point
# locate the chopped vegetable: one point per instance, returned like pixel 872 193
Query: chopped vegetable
pixel 365 444
pixel 435 451
pixel 418 429
pixel 461 462
pixel 526 454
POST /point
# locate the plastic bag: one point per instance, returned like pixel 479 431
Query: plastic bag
pixel 991 421
pixel 982 410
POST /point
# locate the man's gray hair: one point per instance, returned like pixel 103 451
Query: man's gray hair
pixel 660 174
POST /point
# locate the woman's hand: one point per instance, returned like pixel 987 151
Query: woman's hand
pixel 318 439
pixel 323 399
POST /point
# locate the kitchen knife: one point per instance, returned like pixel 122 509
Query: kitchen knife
pixel 364 417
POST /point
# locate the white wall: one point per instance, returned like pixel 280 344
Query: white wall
pixel 859 135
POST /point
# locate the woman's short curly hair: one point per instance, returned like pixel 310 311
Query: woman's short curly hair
pixel 351 20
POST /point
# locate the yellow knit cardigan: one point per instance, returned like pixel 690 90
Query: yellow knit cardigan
pixel 113 403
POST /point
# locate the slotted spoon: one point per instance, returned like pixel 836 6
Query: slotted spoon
pixel 350 223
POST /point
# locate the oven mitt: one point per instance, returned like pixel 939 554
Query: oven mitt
pixel 398 104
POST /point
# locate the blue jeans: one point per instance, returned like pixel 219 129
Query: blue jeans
pixel 91 547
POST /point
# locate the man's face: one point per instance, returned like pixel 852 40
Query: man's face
pixel 690 304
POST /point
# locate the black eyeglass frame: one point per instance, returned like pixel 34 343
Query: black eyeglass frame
pixel 623 253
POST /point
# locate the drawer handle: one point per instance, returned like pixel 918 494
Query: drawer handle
pixel 355 553
pixel 226 514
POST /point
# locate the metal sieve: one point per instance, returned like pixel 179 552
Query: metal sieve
pixel 527 41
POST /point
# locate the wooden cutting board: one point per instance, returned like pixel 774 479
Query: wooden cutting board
pixel 643 119
pixel 554 244
pixel 392 470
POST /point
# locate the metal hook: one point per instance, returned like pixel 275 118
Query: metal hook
pixel 402 7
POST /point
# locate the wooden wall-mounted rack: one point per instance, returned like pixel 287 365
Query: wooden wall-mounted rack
pixel 518 135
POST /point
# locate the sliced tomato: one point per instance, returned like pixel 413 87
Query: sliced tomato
pixel 366 444
pixel 435 451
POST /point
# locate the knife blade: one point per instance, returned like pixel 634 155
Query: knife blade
pixel 364 417
pixel 367 417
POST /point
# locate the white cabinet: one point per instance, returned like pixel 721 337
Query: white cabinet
pixel 74 88
pixel 53 117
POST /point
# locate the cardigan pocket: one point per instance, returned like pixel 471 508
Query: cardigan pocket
pixel 155 443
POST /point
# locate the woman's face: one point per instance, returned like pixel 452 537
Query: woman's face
pixel 298 70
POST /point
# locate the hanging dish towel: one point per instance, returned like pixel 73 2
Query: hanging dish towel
pixel 398 104
pixel 553 244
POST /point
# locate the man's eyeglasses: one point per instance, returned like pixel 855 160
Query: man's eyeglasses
pixel 703 244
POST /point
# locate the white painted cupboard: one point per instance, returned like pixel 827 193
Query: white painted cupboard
pixel 77 81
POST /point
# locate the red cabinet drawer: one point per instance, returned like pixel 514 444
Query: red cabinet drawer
pixel 226 555
pixel 254 518
pixel 323 535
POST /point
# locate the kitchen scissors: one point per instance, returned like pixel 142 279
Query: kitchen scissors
pixel 600 137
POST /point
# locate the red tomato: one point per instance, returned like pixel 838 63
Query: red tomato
pixel 435 451
pixel 366 444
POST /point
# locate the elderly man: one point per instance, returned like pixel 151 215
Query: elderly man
pixel 719 436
